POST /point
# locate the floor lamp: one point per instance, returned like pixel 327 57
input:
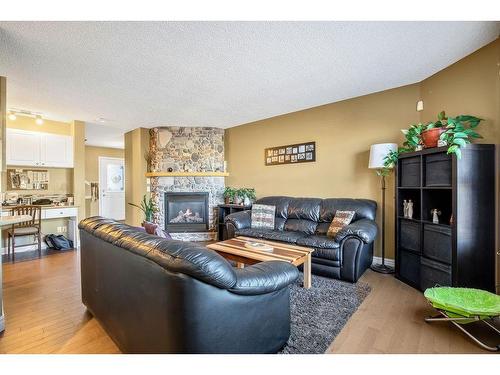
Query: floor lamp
pixel 378 152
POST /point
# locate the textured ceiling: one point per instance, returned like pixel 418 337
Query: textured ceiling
pixel 217 73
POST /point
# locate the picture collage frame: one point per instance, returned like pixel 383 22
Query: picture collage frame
pixel 290 154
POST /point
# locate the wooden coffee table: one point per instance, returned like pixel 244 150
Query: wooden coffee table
pixel 235 250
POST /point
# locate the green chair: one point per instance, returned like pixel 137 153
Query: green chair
pixel 465 305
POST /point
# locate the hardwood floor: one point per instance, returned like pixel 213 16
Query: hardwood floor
pixel 44 314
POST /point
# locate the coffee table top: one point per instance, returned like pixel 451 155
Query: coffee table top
pixel 280 251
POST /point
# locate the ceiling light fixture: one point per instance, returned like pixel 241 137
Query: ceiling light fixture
pixel 12 116
pixel 38 120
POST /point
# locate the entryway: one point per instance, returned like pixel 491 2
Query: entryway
pixel 112 188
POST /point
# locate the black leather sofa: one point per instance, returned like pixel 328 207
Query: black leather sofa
pixel 305 222
pixel 154 295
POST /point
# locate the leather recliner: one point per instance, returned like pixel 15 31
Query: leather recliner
pixel 154 295
pixel 305 222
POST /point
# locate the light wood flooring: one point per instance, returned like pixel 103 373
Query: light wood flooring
pixel 44 314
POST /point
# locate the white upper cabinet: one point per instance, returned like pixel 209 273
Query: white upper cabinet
pixel 26 148
pixel 56 150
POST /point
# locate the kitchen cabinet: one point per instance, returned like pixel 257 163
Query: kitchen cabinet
pixel 27 148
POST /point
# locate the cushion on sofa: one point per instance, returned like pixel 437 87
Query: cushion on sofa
pixel 283 236
pixel 254 233
pixel 341 219
pixel 281 204
pixel 301 225
pixel 304 208
pixel 263 216
pixel 318 241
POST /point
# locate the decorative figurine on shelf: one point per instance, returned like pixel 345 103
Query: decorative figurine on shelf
pixel 435 215
pixel 405 208
pixel 410 209
pixel 451 220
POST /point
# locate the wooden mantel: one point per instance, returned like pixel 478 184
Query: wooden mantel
pixel 187 174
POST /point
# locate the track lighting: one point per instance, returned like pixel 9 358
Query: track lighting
pixel 38 120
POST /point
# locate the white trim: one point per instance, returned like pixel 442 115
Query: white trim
pixel 22 249
pixel 378 260
pixel 2 323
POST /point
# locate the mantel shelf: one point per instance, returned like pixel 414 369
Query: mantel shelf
pixel 187 174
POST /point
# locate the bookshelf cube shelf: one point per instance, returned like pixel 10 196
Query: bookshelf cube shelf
pixel 460 249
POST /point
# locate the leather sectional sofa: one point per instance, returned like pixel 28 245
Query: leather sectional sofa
pixel 154 295
pixel 305 222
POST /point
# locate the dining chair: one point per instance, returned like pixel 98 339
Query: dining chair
pixel 26 228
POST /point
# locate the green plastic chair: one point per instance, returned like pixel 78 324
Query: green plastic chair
pixel 465 305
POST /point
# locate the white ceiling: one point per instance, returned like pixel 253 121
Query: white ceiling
pixel 216 73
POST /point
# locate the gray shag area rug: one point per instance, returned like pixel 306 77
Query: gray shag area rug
pixel 319 313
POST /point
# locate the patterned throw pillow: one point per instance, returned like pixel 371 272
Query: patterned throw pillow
pixel 263 216
pixel 341 219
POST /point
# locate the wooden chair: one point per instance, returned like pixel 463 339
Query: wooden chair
pixel 26 228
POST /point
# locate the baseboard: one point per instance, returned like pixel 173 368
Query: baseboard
pixel 25 248
pixel 378 260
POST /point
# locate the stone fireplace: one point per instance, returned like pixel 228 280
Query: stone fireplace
pixel 189 151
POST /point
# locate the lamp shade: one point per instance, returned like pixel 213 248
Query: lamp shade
pixel 378 152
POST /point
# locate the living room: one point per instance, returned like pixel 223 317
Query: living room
pixel 221 185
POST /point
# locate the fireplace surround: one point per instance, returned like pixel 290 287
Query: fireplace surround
pixel 186 211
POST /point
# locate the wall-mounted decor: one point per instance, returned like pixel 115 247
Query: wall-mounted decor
pixel 27 179
pixel 291 154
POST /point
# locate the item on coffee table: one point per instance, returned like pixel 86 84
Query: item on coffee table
pixel 259 246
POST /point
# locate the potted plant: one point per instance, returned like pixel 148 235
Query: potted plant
pixel 433 130
pixel 148 207
pixel 455 132
pixel 248 195
pixel 229 194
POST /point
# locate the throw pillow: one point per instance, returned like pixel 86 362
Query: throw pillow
pixel 263 216
pixel 152 228
pixel 341 219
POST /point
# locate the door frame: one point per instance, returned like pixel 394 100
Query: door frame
pixel 99 159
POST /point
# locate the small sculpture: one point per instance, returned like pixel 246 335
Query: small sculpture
pixel 435 215
pixel 410 209
pixel 405 208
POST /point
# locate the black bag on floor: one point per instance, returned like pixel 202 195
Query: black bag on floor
pixel 58 242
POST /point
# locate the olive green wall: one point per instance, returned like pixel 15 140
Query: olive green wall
pixel 344 131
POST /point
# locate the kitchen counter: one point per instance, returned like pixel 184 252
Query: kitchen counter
pixel 54 212
pixel 47 207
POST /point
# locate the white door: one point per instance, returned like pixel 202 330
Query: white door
pixel 56 150
pixel 22 148
pixel 112 188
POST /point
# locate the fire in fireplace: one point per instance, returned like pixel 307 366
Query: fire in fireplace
pixel 186 212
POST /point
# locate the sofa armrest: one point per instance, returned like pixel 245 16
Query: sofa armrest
pixel 365 229
pixel 240 220
pixel 264 277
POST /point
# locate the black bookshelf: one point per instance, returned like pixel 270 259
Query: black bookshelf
pixel 460 250
pixel 223 211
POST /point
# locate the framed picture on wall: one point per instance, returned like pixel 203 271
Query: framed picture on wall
pixel 290 154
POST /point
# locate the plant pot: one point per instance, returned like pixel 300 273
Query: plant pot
pixel 247 201
pixel 237 200
pixel 227 200
pixel 430 137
